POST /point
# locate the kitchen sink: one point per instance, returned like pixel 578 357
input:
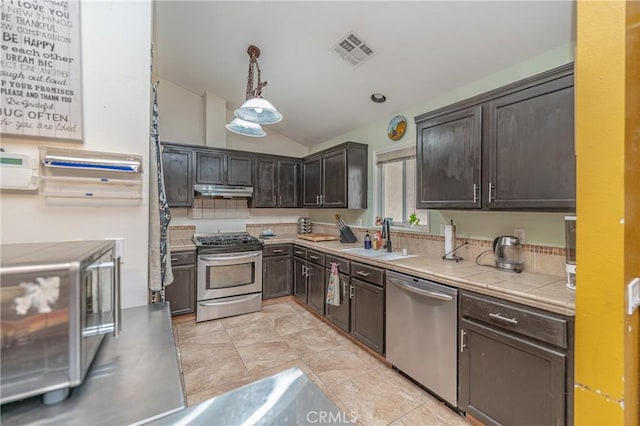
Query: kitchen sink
pixel 376 254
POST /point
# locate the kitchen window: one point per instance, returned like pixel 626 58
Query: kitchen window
pixel 396 186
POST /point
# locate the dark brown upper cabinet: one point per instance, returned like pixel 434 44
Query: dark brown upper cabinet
pixel 222 168
pixel 336 177
pixel 177 164
pixel 530 140
pixel 276 182
pixel 508 149
pixel 449 162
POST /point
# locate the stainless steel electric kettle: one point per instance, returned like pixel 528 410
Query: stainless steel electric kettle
pixel 508 252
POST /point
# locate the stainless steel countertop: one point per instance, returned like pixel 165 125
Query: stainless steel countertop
pixel 134 378
pixel 286 398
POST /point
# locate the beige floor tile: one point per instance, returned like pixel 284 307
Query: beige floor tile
pixel 252 333
pixel 195 356
pixel 212 375
pixel 313 340
pixel 188 330
pixel 279 307
pixel 334 366
pixel 421 416
pixel 241 320
pixel 373 400
pixel 212 338
pixel 265 356
pixel 407 386
pixel 285 323
pixel 208 393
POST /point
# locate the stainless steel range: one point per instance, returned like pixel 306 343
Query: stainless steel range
pixel 229 276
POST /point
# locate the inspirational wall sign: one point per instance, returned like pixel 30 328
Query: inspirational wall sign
pixel 40 69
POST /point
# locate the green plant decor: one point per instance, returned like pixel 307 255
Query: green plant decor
pixel 414 220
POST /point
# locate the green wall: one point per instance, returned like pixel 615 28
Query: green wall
pixel 541 228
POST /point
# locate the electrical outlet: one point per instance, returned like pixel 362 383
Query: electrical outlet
pixel 519 232
pixel 442 228
pixel 119 247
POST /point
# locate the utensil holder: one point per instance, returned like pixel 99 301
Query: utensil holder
pixel 347 235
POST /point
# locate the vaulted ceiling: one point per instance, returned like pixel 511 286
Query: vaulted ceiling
pixel 421 49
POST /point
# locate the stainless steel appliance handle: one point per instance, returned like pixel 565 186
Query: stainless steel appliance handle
pixel 503 319
pixel 228 302
pixel 421 292
pixel 117 312
pixel 244 256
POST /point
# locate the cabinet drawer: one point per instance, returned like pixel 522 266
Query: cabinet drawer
pixel 183 258
pixel 516 318
pixel 300 251
pixel 368 273
pixel 315 257
pixel 343 264
pixel 277 250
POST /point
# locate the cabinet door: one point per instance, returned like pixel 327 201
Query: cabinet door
pixel 210 168
pixel 178 176
pixel 367 314
pixel 508 380
pixel 264 191
pixel 334 179
pixel 288 188
pixel 312 185
pixel 300 279
pixel 531 156
pixel 181 292
pixel 276 276
pixel 339 315
pixel 316 287
pixel 448 160
pixel 239 170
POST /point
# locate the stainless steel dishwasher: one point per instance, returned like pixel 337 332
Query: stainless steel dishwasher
pixel 422 333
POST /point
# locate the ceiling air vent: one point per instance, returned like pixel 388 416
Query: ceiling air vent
pixel 353 49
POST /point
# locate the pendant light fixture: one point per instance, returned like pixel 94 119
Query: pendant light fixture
pixel 256 109
pixel 246 128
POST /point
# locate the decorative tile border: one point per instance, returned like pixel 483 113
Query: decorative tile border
pixel 182 228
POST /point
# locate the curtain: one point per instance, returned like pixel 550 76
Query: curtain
pixel 160 273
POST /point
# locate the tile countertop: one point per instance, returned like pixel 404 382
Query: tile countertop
pixel 546 292
pixel 181 245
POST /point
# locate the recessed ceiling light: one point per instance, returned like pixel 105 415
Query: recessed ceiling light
pixel 378 98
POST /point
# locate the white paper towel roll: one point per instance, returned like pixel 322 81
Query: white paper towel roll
pixel 449 240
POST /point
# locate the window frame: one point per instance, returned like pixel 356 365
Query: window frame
pixel 378 196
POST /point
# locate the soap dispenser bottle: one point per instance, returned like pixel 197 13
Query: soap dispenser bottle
pixel 367 241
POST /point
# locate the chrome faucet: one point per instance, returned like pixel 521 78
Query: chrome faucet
pixel 386 234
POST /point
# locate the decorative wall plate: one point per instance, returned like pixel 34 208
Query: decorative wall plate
pixel 396 128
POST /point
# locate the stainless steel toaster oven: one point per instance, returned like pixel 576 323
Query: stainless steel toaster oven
pixel 58 300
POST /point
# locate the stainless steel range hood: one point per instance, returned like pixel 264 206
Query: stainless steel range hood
pixel 223 191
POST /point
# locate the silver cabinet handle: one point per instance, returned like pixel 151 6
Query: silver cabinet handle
pixel 313 257
pixel 503 319
pixel 344 289
pixel 491 189
pixel 475 192
pixel 317 199
pixel 321 199
pixel 173 259
pixel 462 345
pixel 277 251
pixel 117 311
pixel 351 292
pixel 362 273
pixel 304 271
pixel 299 252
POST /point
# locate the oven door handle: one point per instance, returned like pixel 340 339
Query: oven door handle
pixel 244 256
pixel 230 302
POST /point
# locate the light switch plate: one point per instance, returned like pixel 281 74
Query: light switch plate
pixel 119 247
pixel 633 295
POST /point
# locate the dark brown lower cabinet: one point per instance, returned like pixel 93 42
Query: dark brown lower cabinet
pixel 367 314
pixel 300 279
pixel 181 293
pixel 277 271
pixel 513 363
pixel 340 315
pixel 315 275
